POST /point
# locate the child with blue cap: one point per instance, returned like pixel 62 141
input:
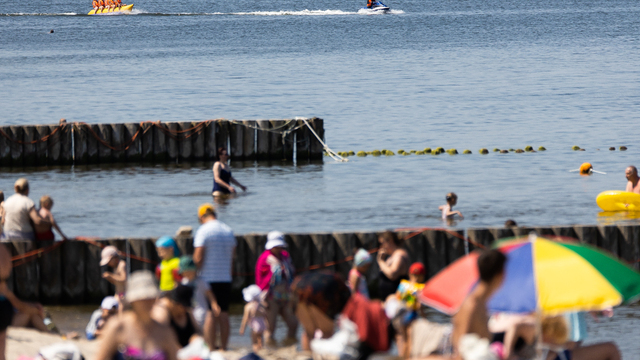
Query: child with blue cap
pixel 168 271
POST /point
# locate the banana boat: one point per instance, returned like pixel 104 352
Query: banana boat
pixel 125 9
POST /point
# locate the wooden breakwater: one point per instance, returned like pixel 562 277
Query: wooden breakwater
pixel 69 272
pixel 81 143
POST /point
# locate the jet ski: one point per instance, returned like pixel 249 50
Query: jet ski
pixel 377 6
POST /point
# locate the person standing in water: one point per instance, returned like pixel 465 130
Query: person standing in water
pixel 447 210
pixel 222 178
pixel 633 185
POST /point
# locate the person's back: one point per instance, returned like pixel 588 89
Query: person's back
pixel 218 240
pixel 17 208
pixel 473 317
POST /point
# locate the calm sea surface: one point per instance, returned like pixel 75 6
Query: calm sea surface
pixel 462 74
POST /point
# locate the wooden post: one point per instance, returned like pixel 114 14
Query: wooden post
pixel 502 232
pixel 565 231
pixel 236 137
pixel 324 249
pixel 30 135
pixel 5 147
pixel 415 246
pixel 73 272
pixel 610 239
pixel 80 144
pixel 588 234
pixel 240 265
pixel 254 246
pixel 222 135
pixel 104 132
pixel 66 142
pixel 17 155
pixel 146 249
pixel 172 142
pixel 436 248
pixel 54 145
pixel 197 141
pixel 630 244
pixel 93 148
pixel 482 236
pixel 184 145
pixel 210 141
pixel 50 274
pixel 300 250
pixel 346 244
pixel 289 140
pixel 275 142
pixel 542 231
pixel 249 139
pixel 263 146
pixel 96 287
pixel 133 153
pixel 117 141
pixel 303 142
pixel 147 142
pixel 315 147
pixel 455 245
pixel 41 147
pixel 160 142
pixel 26 276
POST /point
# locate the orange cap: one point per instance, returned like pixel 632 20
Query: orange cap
pixel 204 208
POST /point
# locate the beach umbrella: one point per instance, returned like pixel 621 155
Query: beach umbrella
pixel 541 275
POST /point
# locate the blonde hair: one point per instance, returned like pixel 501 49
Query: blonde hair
pixel 555 329
pixel 46 199
pixel 21 185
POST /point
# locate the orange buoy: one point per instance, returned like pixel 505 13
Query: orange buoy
pixel 586 169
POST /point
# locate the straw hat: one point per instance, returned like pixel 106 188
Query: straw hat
pixel 141 286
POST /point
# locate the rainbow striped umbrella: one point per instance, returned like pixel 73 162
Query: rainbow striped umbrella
pixel 540 275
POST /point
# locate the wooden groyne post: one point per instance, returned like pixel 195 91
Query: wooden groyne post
pixel 158 142
pixel 68 272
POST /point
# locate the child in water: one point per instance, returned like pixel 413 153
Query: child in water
pixel 168 271
pixel 43 231
pixel 408 290
pixel 447 210
pixel 357 278
pixel 254 315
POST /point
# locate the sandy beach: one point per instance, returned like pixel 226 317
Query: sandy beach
pixel 27 342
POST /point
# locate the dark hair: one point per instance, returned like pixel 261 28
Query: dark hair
pixel 510 223
pixel 220 150
pixel 491 264
pixel 390 236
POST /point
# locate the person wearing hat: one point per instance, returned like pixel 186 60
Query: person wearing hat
pixel 167 272
pixel 19 213
pixel 214 245
pixel 135 334
pixel 108 308
pixel 357 278
pixel 408 289
pixel 254 315
pixel 113 269
pixel 274 274
pixel 174 309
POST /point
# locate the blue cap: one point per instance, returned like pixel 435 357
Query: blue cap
pixel 167 241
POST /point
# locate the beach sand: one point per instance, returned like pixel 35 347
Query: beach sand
pixel 27 342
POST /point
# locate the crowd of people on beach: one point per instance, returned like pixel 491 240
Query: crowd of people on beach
pixel 185 303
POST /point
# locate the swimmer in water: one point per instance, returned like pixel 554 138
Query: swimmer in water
pixel 447 210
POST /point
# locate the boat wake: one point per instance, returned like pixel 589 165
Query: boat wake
pixel 248 13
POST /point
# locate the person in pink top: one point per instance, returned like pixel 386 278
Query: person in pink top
pixel 274 274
